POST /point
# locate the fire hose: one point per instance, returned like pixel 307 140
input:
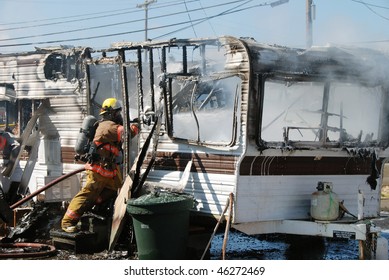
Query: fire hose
pixel 47 186
pixel 32 250
pixel 25 250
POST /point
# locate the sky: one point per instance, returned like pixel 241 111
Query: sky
pixel 25 24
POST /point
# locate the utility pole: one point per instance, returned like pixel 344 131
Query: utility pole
pixel 309 23
pixel 145 6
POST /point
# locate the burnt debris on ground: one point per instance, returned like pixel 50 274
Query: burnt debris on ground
pixel 41 226
pixel 34 237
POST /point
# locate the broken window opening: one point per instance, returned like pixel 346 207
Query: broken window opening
pixel 312 113
pixel 205 111
pixel 132 78
pixel 14 117
pixel 104 82
pixel 194 59
pixel 8 116
pixel 59 66
pixel 149 74
pixel 202 97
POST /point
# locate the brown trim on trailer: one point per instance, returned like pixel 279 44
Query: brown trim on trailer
pixel 202 163
pixel 306 166
pixel 67 155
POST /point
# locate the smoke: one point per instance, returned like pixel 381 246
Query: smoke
pixel 338 30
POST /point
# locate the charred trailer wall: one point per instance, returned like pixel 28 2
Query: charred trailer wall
pixel 57 76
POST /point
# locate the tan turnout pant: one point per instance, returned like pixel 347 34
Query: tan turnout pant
pixel 96 188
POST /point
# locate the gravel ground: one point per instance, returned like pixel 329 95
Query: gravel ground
pixel 263 247
pixel 240 246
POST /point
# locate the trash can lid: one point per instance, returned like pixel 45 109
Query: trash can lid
pixel 160 202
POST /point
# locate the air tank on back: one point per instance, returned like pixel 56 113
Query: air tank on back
pixel 85 135
pixel 324 203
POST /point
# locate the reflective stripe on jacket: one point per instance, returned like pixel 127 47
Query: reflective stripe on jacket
pixel 108 139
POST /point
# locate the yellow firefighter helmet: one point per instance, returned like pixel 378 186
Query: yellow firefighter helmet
pixel 110 105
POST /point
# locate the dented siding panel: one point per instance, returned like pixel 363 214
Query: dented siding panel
pixel 65 119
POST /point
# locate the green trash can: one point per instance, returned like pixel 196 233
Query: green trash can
pixel 161 224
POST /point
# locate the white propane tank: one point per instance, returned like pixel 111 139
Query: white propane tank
pixel 324 203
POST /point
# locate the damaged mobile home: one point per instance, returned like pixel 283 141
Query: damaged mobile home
pixel 278 129
pixel 43 102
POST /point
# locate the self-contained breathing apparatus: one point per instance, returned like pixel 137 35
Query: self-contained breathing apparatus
pixel 85 148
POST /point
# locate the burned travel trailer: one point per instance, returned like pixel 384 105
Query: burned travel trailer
pixel 268 124
pixel 293 140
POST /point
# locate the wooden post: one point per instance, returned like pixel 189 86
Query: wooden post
pixel 228 225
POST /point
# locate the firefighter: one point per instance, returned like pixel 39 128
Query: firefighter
pixel 102 169
pixel 10 148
